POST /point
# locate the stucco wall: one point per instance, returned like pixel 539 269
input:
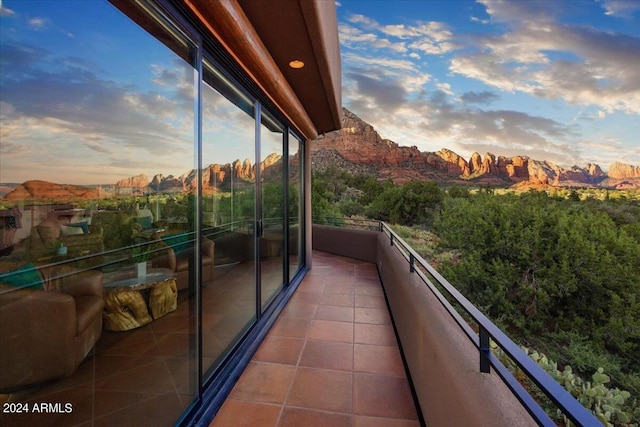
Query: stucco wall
pixel 357 244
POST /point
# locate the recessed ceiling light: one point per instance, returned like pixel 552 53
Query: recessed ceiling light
pixel 296 63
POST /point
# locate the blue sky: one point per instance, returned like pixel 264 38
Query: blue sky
pixel 552 80
pixel 89 96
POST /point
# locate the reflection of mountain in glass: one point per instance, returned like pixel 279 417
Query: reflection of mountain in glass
pixel 215 178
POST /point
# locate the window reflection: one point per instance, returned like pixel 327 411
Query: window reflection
pixel 228 215
pixel 272 186
pixel 103 200
pixel 295 204
pixel 97 207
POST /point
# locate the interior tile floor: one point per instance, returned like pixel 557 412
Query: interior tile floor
pixel 330 360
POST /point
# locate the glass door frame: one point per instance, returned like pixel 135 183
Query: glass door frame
pixel 208 380
pixel 259 228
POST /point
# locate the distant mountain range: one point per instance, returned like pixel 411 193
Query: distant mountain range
pixel 215 178
pixel 356 148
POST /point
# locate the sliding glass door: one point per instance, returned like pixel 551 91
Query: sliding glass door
pixel 228 215
pixel 295 204
pixel 244 183
pixel 271 229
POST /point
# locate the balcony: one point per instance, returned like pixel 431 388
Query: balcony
pixel 446 341
pixel 366 339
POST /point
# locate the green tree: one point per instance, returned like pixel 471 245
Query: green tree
pixel 458 191
pixel 383 204
pixel 416 203
pixel 320 195
pixel 537 265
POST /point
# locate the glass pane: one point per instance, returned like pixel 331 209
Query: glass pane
pixel 228 215
pixel 272 176
pixel 295 204
pixel 97 150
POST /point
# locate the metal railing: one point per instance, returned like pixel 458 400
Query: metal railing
pixel 488 332
pixel 366 224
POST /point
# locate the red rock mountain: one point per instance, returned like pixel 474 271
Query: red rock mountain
pixel 138 181
pixel 216 177
pixel 359 148
pixel 621 171
pixel 43 191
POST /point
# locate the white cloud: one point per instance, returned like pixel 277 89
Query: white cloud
pixel 430 47
pixel 529 56
pixel 37 23
pixel 61 108
pixel 396 64
pixel 476 19
pixel 5 11
pixel 432 38
pixel 445 87
pixel 363 20
pixel 620 8
pixel 546 59
pixel 358 39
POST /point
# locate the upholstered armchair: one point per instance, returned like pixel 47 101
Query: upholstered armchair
pixel 179 255
pixel 49 327
pixel 145 226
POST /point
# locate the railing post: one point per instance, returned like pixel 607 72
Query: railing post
pixel 391 239
pixel 485 350
pixel 412 267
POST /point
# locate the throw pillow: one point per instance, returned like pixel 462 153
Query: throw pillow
pixel 83 217
pixel 82 224
pixel 26 276
pixel 145 221
pixel 70 230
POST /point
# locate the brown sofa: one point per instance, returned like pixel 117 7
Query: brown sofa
pixel 177 258
pixel 46 333
pixel 78 240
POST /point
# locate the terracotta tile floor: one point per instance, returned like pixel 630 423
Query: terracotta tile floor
pixel 330 360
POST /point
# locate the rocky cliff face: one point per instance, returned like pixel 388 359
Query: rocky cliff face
pixel 359 143
pixel 138 181
pixel 361 147
pixel 216 177
pixel 621 171
pixel 44 191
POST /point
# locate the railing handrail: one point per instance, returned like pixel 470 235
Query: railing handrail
pixel 569 406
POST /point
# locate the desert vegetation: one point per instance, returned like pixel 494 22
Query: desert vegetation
pixel 559 270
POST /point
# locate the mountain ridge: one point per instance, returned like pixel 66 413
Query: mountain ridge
pixel 357 148
pixel 360 145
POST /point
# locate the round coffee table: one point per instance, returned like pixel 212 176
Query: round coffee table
pixel 131 301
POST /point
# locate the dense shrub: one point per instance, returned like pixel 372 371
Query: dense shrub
pixel 539 266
